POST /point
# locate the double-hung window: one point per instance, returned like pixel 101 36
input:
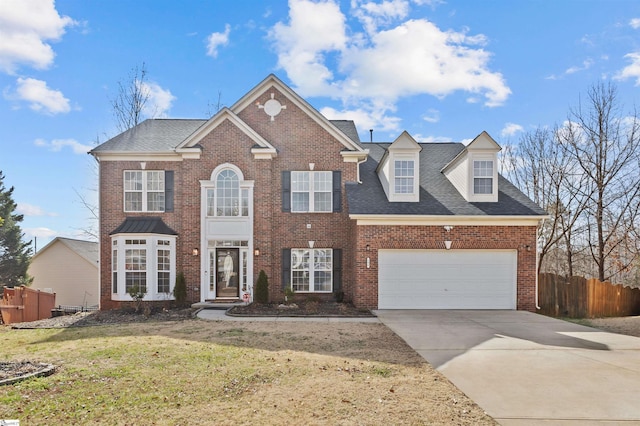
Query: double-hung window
pixel 483 177
pixel 311 191
pixel 144 191
pixel 404 176
pixel 164 266
pixel 135 266
pixel 312 270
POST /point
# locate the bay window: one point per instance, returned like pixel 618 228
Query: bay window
pixel 144 263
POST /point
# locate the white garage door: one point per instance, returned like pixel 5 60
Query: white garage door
pixel 438 279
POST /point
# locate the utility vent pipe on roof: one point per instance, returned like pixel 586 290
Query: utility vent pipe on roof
pixel 371 134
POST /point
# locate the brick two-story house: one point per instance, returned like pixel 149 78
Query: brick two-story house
pixel 271 184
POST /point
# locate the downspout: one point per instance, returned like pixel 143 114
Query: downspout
pixel 358 169
pixel 537 265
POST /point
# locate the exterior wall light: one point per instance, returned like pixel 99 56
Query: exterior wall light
pixel 256 252
pixel 195 251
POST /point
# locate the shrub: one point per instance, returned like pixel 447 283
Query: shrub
pixel 137 293
pixel 262 288
pixel 289 294
pixel 180 290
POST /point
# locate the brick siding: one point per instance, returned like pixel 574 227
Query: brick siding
pixel 378 237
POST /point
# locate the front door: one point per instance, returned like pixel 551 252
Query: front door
pixel 227 272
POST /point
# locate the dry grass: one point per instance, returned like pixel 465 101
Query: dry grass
pixel 199 372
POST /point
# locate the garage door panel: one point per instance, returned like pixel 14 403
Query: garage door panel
pixel 463 279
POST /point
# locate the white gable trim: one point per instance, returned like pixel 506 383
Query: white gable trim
pixel 219 118
pixel 272 81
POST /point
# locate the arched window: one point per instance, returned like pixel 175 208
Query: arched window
pixel 228 199
pixel 227 194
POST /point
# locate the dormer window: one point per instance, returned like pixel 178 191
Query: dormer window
pixel 398 170
pixel 473 171
pixel 404 176
pixel 483 177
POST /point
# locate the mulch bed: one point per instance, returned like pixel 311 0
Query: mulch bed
pixel 299 309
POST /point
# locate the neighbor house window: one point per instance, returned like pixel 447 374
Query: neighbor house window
pixel 146 264
pixel 483 177
pixel 404 176
pixel 311 191
pixel 311 270
pixel 144 191
pixel 227 198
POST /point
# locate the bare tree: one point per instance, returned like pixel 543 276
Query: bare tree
pixel 213 109
pixel 133 95
pixel 606 147
pixel 543 170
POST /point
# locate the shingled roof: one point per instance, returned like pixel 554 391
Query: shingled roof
pixel 438 196
pixel 165 134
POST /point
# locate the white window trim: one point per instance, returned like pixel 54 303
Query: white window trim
pixel 312 191
pixel 211 185
pixel 481 198
pixel 412 196
pixel 311 270
pixel 151 246
pixel 144 191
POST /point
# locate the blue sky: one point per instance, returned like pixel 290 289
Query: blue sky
pixel 442 70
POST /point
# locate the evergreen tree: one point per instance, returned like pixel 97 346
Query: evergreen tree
pixel 15 254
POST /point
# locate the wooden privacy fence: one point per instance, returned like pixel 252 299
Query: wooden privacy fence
pixel 578 297
pixel 23 304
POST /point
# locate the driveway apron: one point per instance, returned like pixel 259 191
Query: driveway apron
pixel 525 369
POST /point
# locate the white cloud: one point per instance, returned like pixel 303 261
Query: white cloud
pixel 215 40
pixel 366 117
pixel 511 129
pixel 372 14
pixel 159 100
pixel 585 66
pixel 40 96
pixel 56 145
pixel 302 53
pixel 431 139
pixel 392 59
pixel 635 23
pixel 31 210
pixel 632 70
pixel 39 232
pixel 432 116
pixel 26 27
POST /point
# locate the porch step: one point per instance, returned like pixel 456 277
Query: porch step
pixel 218 304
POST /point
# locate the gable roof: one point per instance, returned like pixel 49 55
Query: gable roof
pixel 438 196
pixel 273 81
pixel 88 250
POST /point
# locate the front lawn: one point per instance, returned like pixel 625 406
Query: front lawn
pixel 200 372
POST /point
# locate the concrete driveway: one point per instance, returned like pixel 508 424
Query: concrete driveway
pixel 524 368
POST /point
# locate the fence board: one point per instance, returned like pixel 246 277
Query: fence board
pixel 23 304
pixel 578 297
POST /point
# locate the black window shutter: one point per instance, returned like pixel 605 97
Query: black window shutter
pixel 286 267
pixel 337 269
pixel 168 190
pixel 286 191
pixel 337 191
